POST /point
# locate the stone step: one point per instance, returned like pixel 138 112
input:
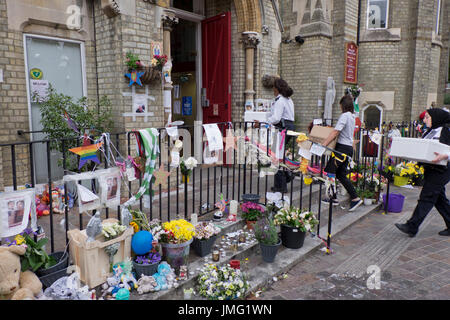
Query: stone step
pixel 259 272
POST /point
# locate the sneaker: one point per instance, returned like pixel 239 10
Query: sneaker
pixel 355 204
pixel 445 232
pixel 334 202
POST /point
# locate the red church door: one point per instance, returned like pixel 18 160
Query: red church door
pixel 216 68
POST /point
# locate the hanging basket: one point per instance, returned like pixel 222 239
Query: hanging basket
pixel 150 74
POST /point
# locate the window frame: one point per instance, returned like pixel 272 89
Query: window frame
pixel 387 16
pixel 437 27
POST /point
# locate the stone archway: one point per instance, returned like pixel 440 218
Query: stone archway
pixel 248 15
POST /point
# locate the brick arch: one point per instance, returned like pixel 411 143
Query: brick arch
pixel 248 15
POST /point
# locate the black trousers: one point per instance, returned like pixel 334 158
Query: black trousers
pixel 432 195
pixel 283 177
pixel 340 169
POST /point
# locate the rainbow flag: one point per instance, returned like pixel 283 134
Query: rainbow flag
pixel 291 162
pixel 87 153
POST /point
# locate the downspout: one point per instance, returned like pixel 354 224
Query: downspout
pixel 359 23
pixel 95 52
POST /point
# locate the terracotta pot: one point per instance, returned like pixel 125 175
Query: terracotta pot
pixel 250 224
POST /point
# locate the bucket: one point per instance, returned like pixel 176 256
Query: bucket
pixel 291 237
pixel 395 202
pixel 250 197
pixel 400 181
pixel 176 255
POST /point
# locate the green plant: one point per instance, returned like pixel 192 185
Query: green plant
pixel 88 118
pixel 35 256
pixel 132 61
pixel 368 194
pixel 266 231
pixel 251 211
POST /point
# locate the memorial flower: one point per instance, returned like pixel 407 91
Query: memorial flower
pixel 222 283
pixel 177 231
pixel 294 217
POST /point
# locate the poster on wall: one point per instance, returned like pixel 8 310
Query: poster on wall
pixel 16 209
pixel 187 106
pixel 156 48
pixel 39 90
pixel 351 63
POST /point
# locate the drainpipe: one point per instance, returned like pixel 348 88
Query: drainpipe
pixel 359 23
pixel 95 53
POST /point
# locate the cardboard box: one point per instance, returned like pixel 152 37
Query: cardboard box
pixel 91 257
pixel 416 149
pixel 318 134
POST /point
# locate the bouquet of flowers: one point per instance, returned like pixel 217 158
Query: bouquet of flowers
pixel 177 231
pixel 112 230
pixel 294 217
pixel 251 211
pixel 159 61
pixel 206 230
pixel 140 221
pixel 405 170
pixel 132 61
pixel 275 201
pixel 150 258
pixel 222 283
pixel 187 165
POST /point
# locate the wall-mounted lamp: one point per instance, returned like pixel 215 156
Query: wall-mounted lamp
pixel 298 39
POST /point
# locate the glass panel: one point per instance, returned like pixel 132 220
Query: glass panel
pixel 377 14
pixel 187 5
pixel 60 64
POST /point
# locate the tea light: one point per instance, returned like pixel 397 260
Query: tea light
pixel 242 237
pixel 234 245
pixel 215 255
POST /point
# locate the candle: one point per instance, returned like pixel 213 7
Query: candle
pixel 194 218
pixel 233 207
pixel 215 254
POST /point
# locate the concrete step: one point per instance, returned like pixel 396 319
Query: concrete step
pixel 258 272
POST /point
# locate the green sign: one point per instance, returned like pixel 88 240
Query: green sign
pixel 36 73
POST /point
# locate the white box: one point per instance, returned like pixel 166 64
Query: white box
pixel 252 116
pixel 416 149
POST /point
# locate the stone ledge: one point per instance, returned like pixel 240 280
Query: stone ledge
pixel 381 35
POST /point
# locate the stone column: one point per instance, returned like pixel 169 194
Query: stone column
pixel 251 40
pixel 169 20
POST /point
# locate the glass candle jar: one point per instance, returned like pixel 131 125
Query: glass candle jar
pixel 215 254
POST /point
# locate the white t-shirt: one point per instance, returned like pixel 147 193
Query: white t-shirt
pixel 346 127
pixel 282 108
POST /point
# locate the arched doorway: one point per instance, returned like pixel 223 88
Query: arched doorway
pixel 372 117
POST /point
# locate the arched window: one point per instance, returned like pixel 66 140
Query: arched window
pixel 377 14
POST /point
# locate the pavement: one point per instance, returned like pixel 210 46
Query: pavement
pixel 373 260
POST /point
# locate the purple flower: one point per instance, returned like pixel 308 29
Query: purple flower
pixel 150 258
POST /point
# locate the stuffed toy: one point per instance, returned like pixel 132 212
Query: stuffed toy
pixel 14 284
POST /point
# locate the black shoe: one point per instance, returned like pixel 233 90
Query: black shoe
pixel 445 232
pixel 335 202
pixel 355 204
pixel 405 228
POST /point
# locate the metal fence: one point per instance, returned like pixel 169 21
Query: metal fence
pixel 207 182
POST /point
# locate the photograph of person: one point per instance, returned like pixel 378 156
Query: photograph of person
pixel 112 188
pixel 16 217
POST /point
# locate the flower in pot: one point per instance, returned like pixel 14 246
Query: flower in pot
pixel 205 236
pixel 147 265
pixel 251 212
pixel 267 235
pixel 294 224
pixel 186 167
pixel 368 195
pixel 159 61
pixel 175 241
pixel 222 283
pixel 132 61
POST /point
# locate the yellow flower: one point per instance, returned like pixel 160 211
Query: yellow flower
pixel 19 239
pixel 135 226
pixel 307 180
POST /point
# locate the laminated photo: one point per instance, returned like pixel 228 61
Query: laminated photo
pixel 110 182
pixel 16 209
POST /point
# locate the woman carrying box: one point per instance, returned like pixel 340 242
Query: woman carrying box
pixel 344 130
pixel 436 177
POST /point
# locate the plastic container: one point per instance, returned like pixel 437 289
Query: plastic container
pixel 291 237
pixel 203 247
pixel 395 204
pixel 400 181
pixel 48 279
pixel 416 149
pixel 145 269
pixel 251 197
pixel 91 257
pixel 63 262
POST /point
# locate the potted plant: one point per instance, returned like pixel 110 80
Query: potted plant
pixel 186 167
pixel 402 174
pixel 294 224
pixel 205 236
pixel 251 212
pixel 147 265
pixel 48 267
pixel 132 61
pixel 222 283
pixel 175 241
pixel 267 235
pixel 368 197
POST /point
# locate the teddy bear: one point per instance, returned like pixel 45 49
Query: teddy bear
pixel 14 284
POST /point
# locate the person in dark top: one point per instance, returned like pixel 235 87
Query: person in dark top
pixel 436 177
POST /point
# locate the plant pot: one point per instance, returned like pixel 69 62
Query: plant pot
pixel 400 181
pixel 145 269
pixel 176 254
pixel 292 237
pixel 203 247
pixel 268 252
pixel 368 202
pixel 250 224
pixel 49 279
pixel 250 197
pixel 150 74
pixel 62 258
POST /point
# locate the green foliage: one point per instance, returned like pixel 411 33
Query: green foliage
pixel 132 61
pixel 35 257
pixel 266 231
pixel 87 116
pixel 447 99
pixel 368 194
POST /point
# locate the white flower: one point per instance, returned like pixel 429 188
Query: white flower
pixel 190 163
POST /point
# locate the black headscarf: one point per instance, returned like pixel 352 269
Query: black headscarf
pixel 439 117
